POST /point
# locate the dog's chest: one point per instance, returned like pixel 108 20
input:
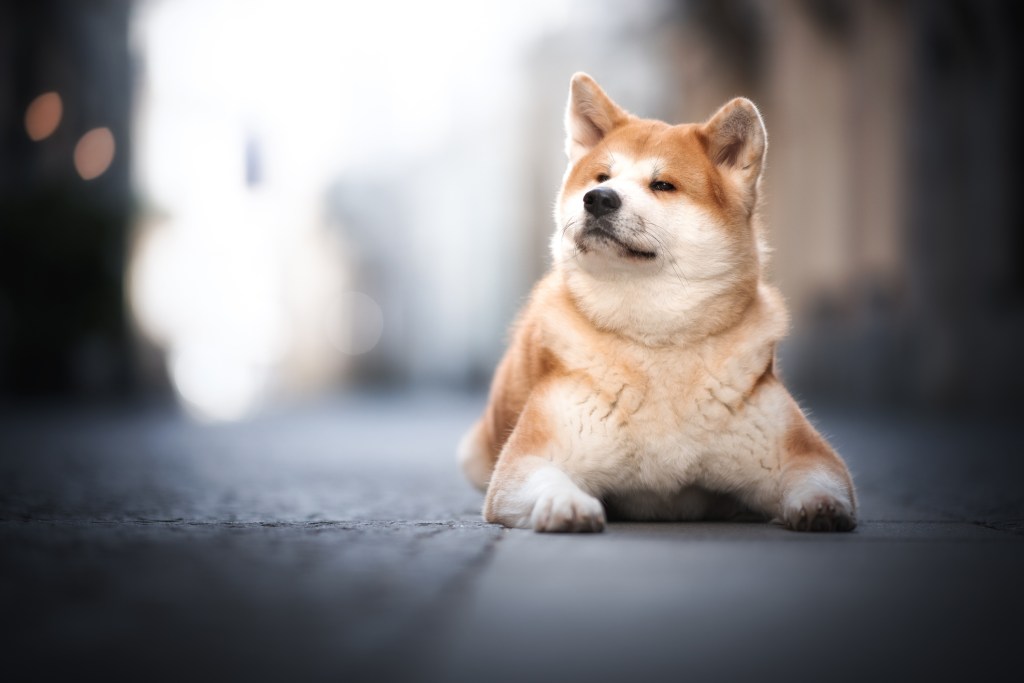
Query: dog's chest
pixel 647 420
pixel 677 409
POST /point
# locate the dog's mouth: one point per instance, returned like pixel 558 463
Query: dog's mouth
pixel 597 233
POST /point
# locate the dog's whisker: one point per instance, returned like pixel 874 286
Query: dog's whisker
pixel 663 248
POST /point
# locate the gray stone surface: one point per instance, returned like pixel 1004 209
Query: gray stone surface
pixel 716 602
pixel 308 544
pixel 338 542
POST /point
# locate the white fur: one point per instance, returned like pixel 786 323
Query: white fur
pixel 651 301
pixel 662 451
pixel 549 500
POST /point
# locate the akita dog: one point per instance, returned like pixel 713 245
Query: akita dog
pixel 640 377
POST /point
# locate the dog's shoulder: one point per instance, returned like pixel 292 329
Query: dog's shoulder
pixel 741 361
pixel 534 357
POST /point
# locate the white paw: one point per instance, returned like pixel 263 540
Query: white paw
pixel 567 509
pixel 810 510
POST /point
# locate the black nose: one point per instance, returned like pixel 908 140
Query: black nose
pixel 601 200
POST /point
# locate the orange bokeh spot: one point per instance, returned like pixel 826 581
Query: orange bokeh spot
pixel 43 116
pixel 94 152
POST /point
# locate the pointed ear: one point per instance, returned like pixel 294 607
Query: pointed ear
pixel 737 140
pixel 589 116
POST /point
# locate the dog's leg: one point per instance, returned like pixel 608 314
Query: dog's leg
pixel 776 463
pixel 530 490
pixel 816 488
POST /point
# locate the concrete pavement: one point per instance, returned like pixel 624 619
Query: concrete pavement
pixel 338 542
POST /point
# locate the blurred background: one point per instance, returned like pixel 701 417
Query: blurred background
pixel 238 204
pixel 258 260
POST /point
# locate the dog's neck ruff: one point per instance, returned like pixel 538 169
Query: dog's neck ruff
pixel 651 312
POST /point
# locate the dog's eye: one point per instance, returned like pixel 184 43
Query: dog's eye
pixel 662 186
pixel 603 178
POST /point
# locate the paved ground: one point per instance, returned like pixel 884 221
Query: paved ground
pixel 338 542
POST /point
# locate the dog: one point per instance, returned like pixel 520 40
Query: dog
pixel 640 380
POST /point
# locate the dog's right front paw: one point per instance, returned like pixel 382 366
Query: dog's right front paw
pixel 567 510
pixel 819 512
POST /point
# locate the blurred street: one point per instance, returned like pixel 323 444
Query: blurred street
pixel 337 541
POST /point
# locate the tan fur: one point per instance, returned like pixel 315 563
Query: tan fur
pixel 644 382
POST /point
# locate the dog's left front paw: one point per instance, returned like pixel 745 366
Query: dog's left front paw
pixel 567 510
pixel 818 512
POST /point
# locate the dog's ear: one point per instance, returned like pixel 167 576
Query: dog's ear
pixel 589 116
pixel 737 140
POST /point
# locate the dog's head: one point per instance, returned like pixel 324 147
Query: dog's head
pixel 649 210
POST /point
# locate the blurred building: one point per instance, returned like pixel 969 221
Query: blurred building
pixel 315 194
pixel 63 229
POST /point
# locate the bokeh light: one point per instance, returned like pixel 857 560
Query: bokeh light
pixel 214 382
pixel 43 116
pixel 356 324
pixel 94 153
